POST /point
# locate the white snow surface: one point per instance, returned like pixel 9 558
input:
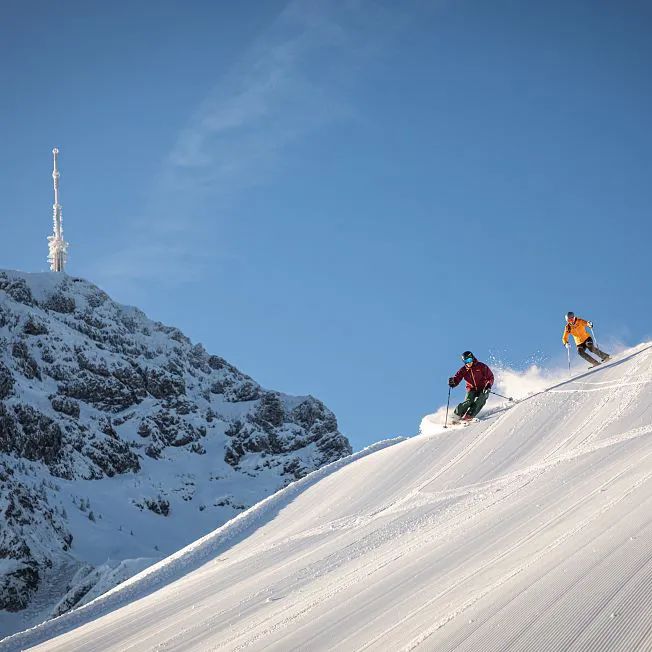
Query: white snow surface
pixel 529 530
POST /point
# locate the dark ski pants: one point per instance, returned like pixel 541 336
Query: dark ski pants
pixel 472 404
pixel 588 344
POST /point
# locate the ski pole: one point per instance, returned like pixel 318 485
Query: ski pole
pixel 447 404
pixel 568 351
pixel 509 398
pixel 595 341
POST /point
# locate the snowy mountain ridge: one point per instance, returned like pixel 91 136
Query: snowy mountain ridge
pixel 121 442
pixel 531 529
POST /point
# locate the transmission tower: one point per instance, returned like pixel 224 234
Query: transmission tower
pixel 57 246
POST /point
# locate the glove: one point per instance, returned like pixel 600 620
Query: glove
pixel 451 382
pixel 590 323
pixel 487 389
pixel 567 345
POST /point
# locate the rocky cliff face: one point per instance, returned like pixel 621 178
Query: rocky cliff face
pixel 121 441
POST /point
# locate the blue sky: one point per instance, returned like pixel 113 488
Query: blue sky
pixel 341 196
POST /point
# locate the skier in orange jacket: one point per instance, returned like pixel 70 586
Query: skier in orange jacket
pixel 577 327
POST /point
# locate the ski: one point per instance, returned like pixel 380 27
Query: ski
pixel 464 422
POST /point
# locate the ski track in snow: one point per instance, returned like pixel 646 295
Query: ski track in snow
pixel 530 530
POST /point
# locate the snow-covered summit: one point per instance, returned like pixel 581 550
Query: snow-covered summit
pixel 530 530
pixel 121 441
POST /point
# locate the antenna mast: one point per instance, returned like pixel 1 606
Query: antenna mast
pixel 57 245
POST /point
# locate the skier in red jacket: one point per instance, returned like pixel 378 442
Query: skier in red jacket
pixel 479 380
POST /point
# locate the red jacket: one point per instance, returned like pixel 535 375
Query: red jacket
pixel 477 377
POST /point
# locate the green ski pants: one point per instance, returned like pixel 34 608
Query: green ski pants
pixel 473 403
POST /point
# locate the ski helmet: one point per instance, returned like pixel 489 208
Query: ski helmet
pixel 466 355
pixel 570 316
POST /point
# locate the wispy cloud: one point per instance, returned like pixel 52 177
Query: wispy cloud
pixel 294 80
pixel 287 85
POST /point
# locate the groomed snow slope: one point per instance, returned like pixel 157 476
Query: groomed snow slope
pixel 530 530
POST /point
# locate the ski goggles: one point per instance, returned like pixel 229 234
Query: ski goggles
pixel 468 360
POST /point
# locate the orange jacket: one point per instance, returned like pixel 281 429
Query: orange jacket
pixel 577 330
